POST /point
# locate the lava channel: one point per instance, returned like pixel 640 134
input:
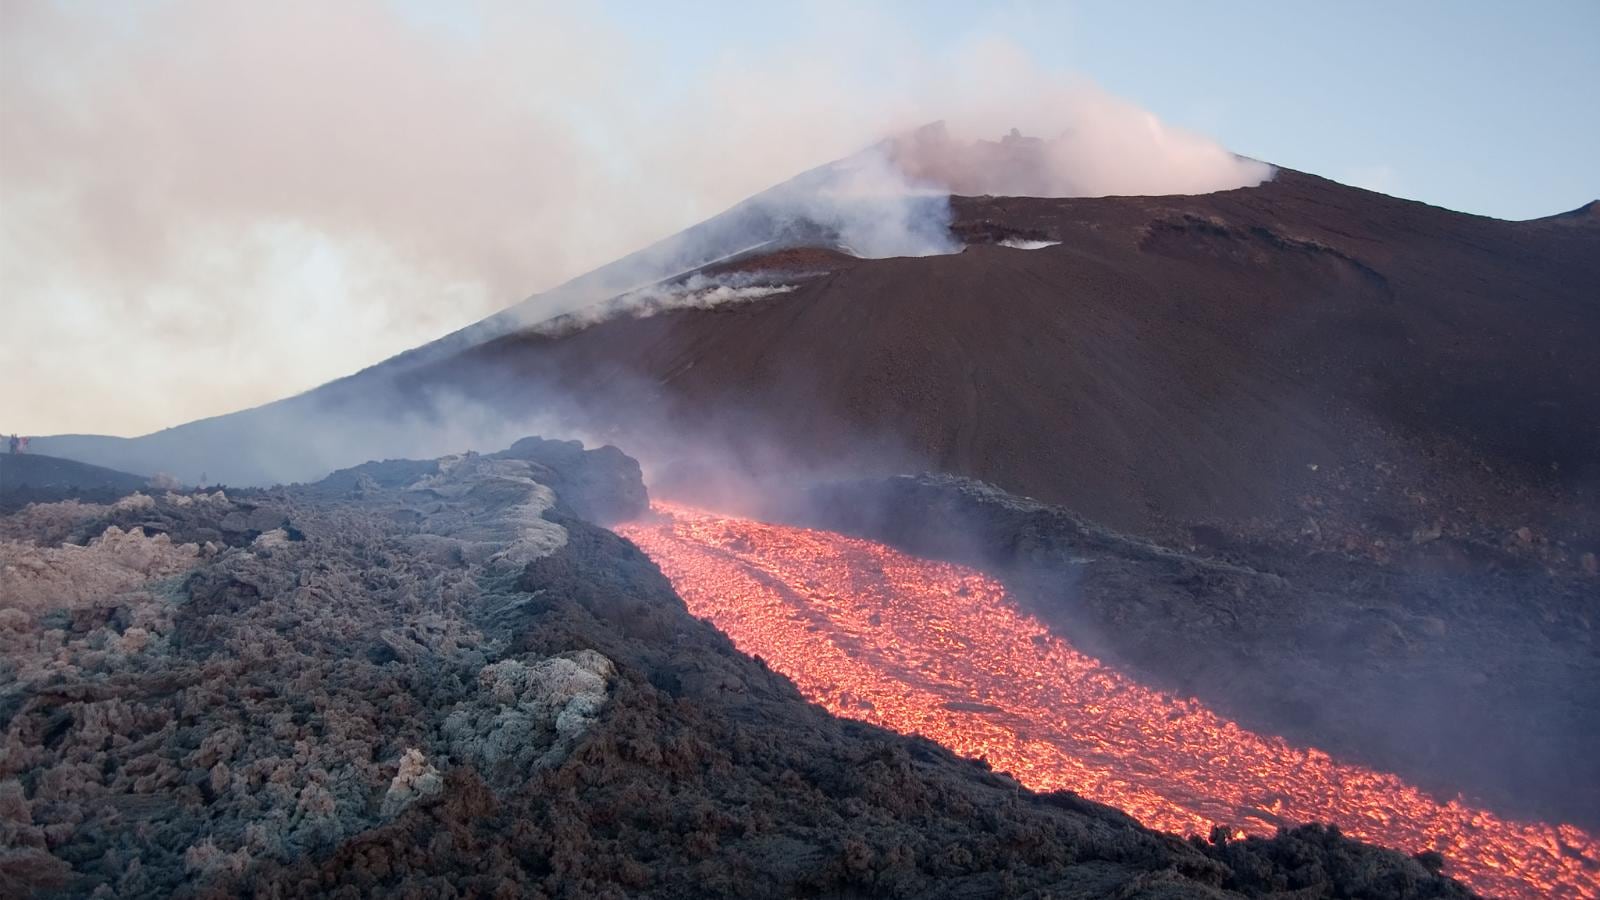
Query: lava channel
pixel 938 650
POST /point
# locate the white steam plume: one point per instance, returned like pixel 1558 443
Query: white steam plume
pixel 239 202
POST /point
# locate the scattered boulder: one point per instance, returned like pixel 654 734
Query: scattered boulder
pixel 414 780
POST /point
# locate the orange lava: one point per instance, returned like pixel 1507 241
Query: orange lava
pixel 938 650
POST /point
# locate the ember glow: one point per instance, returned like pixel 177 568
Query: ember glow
pixel 938 650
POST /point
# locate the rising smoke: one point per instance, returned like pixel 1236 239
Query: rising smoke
pixel 698 291
pixel 205 192
pixel 892 199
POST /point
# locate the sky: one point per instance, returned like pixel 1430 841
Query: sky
pixel 206 205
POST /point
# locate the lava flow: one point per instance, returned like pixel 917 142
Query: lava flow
pixel 938 650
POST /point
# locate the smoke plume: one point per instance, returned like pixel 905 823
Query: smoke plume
pixel 236 204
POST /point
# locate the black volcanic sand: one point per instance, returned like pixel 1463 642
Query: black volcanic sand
pixel 409 681
pixel 1482 684
pixel 1299 357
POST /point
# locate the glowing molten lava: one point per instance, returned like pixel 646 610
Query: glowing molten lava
pixel 938 650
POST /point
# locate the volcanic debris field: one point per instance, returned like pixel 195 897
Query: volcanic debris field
pixel 442 678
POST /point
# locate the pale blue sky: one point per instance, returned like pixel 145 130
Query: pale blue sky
pixel 1484 107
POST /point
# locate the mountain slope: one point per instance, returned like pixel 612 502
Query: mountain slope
pixel 1299 354
pixel 1171 359
pixel 28 476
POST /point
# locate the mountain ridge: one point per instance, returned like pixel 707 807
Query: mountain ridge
pixel 1213 353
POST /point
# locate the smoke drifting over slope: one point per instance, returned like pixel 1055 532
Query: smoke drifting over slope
pixel 202 190
pixel 1120 150
pixel 892 199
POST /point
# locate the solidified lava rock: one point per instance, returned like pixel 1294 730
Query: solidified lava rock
pixel 438 679
pixel 603 485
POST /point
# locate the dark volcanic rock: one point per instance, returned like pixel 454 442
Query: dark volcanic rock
pixel 449 684
pixel 603 485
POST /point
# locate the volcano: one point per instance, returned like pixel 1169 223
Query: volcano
pixel 1298 465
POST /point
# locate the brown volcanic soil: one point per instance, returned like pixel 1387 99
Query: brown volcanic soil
pixel 1299 355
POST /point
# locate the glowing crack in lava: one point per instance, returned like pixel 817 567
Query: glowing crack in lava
pixel 938 650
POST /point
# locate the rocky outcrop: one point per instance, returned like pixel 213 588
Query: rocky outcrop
pixel 71 577
pixel 415 780
pixel 177 713
pixel 602 485
pixel 528 715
